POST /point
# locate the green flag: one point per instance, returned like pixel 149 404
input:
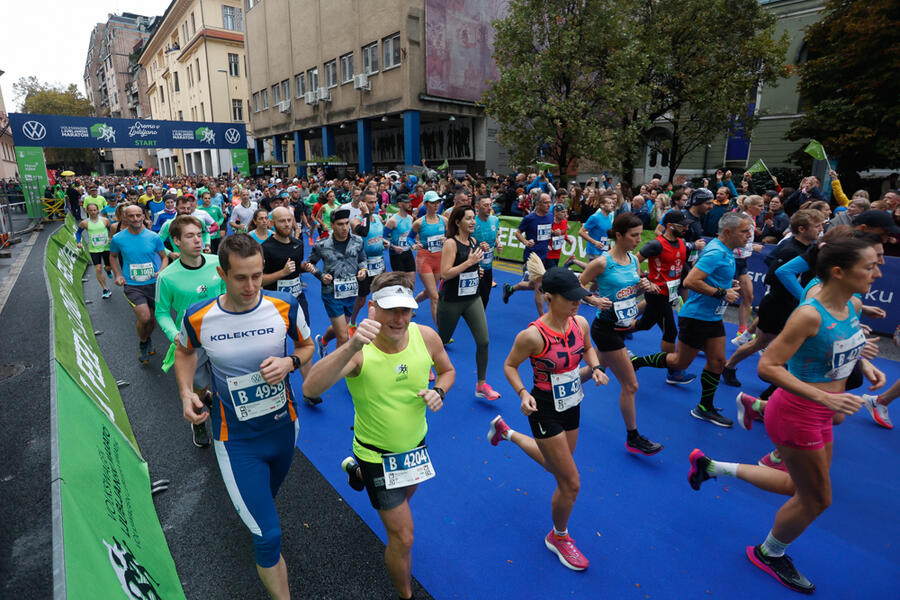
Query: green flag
pixel 758 167
pixel 816 150
pixel 444 165
pixel 545 165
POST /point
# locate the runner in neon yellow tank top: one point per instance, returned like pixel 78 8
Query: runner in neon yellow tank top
pixel 386 365
pixel 97 228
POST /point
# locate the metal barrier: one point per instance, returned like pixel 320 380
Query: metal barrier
pixel 54 209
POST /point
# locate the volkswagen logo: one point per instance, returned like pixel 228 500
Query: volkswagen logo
pixel 34 130
pixel 232 135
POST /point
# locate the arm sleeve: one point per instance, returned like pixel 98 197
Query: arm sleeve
pixel 788 274
pixel 839 194
pixel 78 233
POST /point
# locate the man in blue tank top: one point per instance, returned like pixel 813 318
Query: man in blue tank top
pixel 712 289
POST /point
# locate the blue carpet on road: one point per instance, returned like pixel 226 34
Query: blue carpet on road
pixel 480 523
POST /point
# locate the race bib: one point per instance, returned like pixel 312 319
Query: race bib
pixel 252 397
pixel 844 354
pixel 346 288
pixel 488 261
pixel 99 239
pixel 434 243
pixel 557 242
pixel 604 241
pixel 403 242
pixel 673 289
pixel 626 312
pixel 567 390
pixel 141 271
pixel 543 232
pixel 692 257
pixel 375 265
pixel 402 469
pixel 720 310
pixel 291 286
pixel 468 284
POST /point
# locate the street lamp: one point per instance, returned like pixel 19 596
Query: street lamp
pixel 230 111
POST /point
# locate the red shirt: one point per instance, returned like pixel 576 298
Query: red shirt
pixel 557 238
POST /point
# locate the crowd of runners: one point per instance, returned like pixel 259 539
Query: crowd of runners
pixel 221 266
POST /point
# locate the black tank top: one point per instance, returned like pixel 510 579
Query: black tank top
pixel 450 288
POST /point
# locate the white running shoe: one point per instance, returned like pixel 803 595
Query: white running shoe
pixel 878 411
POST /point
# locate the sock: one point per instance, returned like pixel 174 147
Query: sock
pixel 758 405
pixel 774 458
pixel 768 392
pixel 559 533
pixel 879 400
pixel 772 547
pixel 709 383
pixel 632 434
pixel 716 468
pixel 507 434
pixel 657 361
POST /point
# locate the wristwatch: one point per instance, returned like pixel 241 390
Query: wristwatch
pixel 719 293
pixel 440 392
pixel 296 360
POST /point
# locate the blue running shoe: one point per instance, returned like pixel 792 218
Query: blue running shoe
pixel 680 377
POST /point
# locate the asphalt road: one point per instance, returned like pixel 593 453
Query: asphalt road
pixel 329 550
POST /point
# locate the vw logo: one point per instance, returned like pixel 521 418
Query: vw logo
pixel 34 130
pixel 232 135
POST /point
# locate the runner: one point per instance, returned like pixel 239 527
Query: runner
pixel 460 272
pixel 214 211
pixel 242 214
pixel 810 362
pixel 97 228
pixel 559 235
pixel 140 254
pixel 700 327
pixel 185 206
pixel 556 343
pixel 193 278
pixel 617 277
pixel 595 228
pixel 430 230
pixel 533 233
pixel 254 418
pixel 260 230
pixel 386 366
pixel 487 235
pixel 397 228
pixel 371 228
pixel 753 206
pixel 343 259
pixel 666 257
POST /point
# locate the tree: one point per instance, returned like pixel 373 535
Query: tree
pixel 849 85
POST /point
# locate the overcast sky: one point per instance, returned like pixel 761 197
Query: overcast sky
pixel 49 38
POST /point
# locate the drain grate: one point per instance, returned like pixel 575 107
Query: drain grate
pixel 10 371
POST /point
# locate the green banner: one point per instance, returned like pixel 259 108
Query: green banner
pixel 74 342
pixel 114 546
pixel 240 160
pixel 513 249
pixel 33 172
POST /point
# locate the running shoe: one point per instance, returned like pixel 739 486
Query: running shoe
pixel 150 349
pixel 782 569
pixel 729 376
pixel 711 415
pixel 497 432
pixel 144 356
pixel 641 445
pixel 486 391
pixel 746 414
pixel 507 292
pixel 354 477
pixel 773 463
pixel 569 261
pixel 631 355
pixel 878 411
pixel 321 348
pixel 742 338
pixel 106 294
pixel 680 377
pixel 312 401
pixel 201 438
pixel 564 548
pixel 698 473
pixel 109 274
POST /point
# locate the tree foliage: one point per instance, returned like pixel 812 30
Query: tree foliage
pixel 850 85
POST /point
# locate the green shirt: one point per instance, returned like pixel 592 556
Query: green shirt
pixel 100 201
pixel 312 199
pixel 389 412
pixel 216 213
pixel 97 236
pixel 178 287
pixel 165 237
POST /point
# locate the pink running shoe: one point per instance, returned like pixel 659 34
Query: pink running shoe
pixel 485 391
pixel 564 548
pixel 767 461
pixel 497 432
pixel 745 411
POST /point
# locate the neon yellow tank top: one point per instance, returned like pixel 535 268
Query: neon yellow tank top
pixel 97 236
pixel 389 413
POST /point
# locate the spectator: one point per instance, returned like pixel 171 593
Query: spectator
pixel 808 190
pixel 838 192
pixel 639 209
pixel 775 222
pixel 721 205
pixel 858 204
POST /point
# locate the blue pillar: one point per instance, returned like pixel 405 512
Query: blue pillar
pixel 276 149
pixel 412 153
pixel 327 140
pixel 364 145
pixel 299 154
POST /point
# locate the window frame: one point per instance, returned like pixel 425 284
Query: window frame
pixel 237 110
pixel 300 84
pixel 312 75
pixel 347 59
pixel 255 102
pixel 333 83
pixel 394 40
pixel 285 90
pixel 234 67
pixel 369 52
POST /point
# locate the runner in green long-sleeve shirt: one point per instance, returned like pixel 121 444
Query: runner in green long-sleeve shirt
pixel 185 205
pixel 216 213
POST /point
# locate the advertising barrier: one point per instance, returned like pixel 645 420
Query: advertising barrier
pixel 107 540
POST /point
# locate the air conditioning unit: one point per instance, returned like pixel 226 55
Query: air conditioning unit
pixel 310 97
pixel 361 82
pixel 284 106
pixel 323 95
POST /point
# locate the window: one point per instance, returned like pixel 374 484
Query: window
pixel 370 59
pixel 202 112
pixel 264 98
pixel 184 34
pixel 193 113
pixel 234 65
pixel 176 82
pixel 193 24
pixel 312 79
pixel 162 96
pixel 331 74
pixel 190 74
pixel 232 18
pixel 391 46
pixel 197 65
pixel 180 116
pixel 300 84
pixel 276 94
pixel 255 101
pixel 347 68
pixel 237 110
pixel 286 90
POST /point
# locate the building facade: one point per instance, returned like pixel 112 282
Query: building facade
pixel 110 81
pixel 196 70
pixel 372 84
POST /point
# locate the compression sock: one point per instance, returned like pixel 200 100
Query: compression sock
pixel 768 392
pixel 657 361
pixel 773 547
pixel 709 383
pixel 716 468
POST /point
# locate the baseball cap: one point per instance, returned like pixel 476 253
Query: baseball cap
pixel 431 196
pixel 699 196
pixel 402 197
pixel 877 218
pixel 674 217
pixel 564 282
pixel 395 296
pixel 341 213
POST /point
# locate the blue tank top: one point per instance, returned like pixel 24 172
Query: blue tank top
pixel 431 235
pixel 619 283
pixel 375 238
pixel 816 281
pixel 399 233
pixel 486 231
pixel 832 353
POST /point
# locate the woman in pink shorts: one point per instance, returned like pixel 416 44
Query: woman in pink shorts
pixel 809 361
